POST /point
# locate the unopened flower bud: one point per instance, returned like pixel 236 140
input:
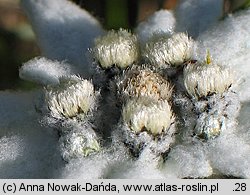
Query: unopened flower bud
pixel 116 48
pixel 165 50
pixel 209 127
pixel 78 143
pixel 207 78
pixel 146 115
pixel 72 97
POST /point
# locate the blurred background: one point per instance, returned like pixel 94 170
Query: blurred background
pixel 17 40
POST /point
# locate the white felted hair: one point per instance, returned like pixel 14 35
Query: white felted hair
pixel 64 31
pixel 161 22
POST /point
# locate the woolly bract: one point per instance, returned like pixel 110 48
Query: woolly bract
pixel 63 30
pixel 196 16
pixel 161 22
pixel 164 50
pixel 73 96
pixel 144 83
pixel 146 115
pixel 203 79
pixel 116 48
pixel 44 71
pixel 28 150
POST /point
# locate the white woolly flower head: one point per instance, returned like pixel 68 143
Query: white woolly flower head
pixel 164 50
pixel 138 82
pixel 73 97
pixel 78 143
pixel 206 78
pixel 116 48
pixel 143 114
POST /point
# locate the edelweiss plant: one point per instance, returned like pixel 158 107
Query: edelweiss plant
pixel 161 111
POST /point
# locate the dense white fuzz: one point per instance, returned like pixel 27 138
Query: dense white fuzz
pixel 203 79
pixel 161 22
pixel 164 50
pixel 188 160
pixel 44 71
pixel 79 142
pixel 219 116
pixel 72 97
pixel 196 16
pixel 11 147
pixel 145 167
pixel 138 82
pixel 92 167
pixel 64 31
pixel 229 155
pixel 146 115
pixel 103 164
pixel 243 124
pixel 27 149
pixel 116 48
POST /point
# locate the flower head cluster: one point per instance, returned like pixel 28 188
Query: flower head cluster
pixel 165 50
pixel 147 119
pixel 116 48
pixel 72 97
pixel 145 95
pixel 166 100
